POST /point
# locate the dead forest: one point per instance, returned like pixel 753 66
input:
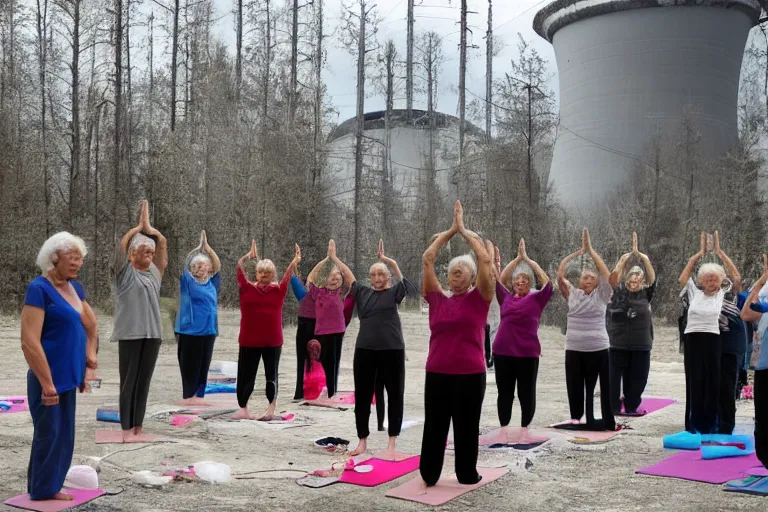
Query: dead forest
pixel 94 117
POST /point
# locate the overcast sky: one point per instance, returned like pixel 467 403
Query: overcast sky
pixel 442 16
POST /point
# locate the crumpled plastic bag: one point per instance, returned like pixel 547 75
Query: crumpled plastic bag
pixel 81 477
pixel 149 478
pixel 213 472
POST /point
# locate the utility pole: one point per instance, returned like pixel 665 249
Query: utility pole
pixel 489 73
pixel 409 64
pixel 462 87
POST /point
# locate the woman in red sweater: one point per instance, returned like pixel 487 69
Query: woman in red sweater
pixel 261 328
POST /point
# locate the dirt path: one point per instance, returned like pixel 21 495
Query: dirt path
pixel 565 477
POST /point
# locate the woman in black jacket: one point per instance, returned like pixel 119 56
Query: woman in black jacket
pixel 630 329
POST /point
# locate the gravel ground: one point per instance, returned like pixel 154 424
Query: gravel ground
pixel 561 477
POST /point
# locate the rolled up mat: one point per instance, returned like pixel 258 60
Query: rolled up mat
pixel 682 441
pixel 755 485
pixel 733 446
pixel 213 388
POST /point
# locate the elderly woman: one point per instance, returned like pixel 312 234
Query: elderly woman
pixel 630 330
pixel 261 327
pixel 760 389
pixel 197 321
pixel 380 348
pixel 140 261
pixel 455 382
pixel 702 342
pixel 586 339
pixel 330 323
pixel 58 337
pixel 517 349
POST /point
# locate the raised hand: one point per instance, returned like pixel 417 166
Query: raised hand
pixel 331 249
pixel 765 265
pixel 381 249
pixel 521 250
pixel 635 250
pixel 254 252
pixel 458 216
pixel 297 255
pixel 144 215
pixel 718 250
pixel 586 242
pixel 497 257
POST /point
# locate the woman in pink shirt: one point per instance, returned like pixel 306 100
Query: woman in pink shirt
pixel 455 382
pixel 516 349
pixel 329 312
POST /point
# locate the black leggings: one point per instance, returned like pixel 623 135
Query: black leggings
pixel 520 371
pixel 330 356
pixel 726 404
pixel 488 352
pixel 248 365
pixel 458 398
pixel 136 361
pixel 702 381
pixel 582 370
pixel 369 368
pixel 629 369
pixel 194 353
pixel 305 332
pixel 761 415
pixel 380 405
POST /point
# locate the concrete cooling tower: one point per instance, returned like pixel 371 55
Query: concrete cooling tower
pixel 629 68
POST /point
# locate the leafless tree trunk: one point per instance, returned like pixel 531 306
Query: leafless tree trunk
pixel 174 61
pixel 390 56
pixel 318 106
pixel 42 56
pixel 489 73
pixel 409 63
pixel 294 63
pixel 118 112
pixel 462 88
pixel 239 51
pixel 128 129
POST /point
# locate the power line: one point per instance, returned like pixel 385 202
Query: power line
pixel 516 17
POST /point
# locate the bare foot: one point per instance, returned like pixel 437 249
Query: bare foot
pixel 128 435
pixel 422 487
pixel 62 496
pixel 243 414
pixel 269 414
pixel 509 435
pixel 391 453
pixel 527 438
pixel 362 445
pixel 575 422
pixel 196 401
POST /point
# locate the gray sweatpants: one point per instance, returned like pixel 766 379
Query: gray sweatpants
pixel 137 364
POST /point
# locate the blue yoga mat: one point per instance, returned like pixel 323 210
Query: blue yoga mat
pixel 108 415
pixel 757 485
pixel 213 388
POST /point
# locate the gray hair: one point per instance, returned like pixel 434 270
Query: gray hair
pixel 199 258
pixel 467 261
pixel 62 242
pixel 382 266
pixel 635 271
pixel 710 269
pixel 523 269
pixel 268 266
pixel 140 240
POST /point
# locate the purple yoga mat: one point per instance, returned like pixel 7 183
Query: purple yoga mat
pixel 688 465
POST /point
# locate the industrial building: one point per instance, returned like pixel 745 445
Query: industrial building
pixel 630 70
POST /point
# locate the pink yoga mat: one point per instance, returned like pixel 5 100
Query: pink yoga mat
pixel 445 490
pixel 16 407
pixel 333 403
pixel 493 436
pixel 383 471
pixel 758 471
pixel 80 496
pixel 593 437
pixel 116 437
pixel 688 465
pixel 653 404
pixel 181 420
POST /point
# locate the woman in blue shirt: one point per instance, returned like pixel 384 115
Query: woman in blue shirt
pixel 197 321
pixel 58 337
pixel 752 312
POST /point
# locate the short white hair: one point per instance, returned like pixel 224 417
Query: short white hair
pixel 523 269
pixel 635 271
pixel 382 266
pixel 199 258
pixel 140 240
pixel 711 269
pixel 467 261
pixel 62 242
pixel 267 265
